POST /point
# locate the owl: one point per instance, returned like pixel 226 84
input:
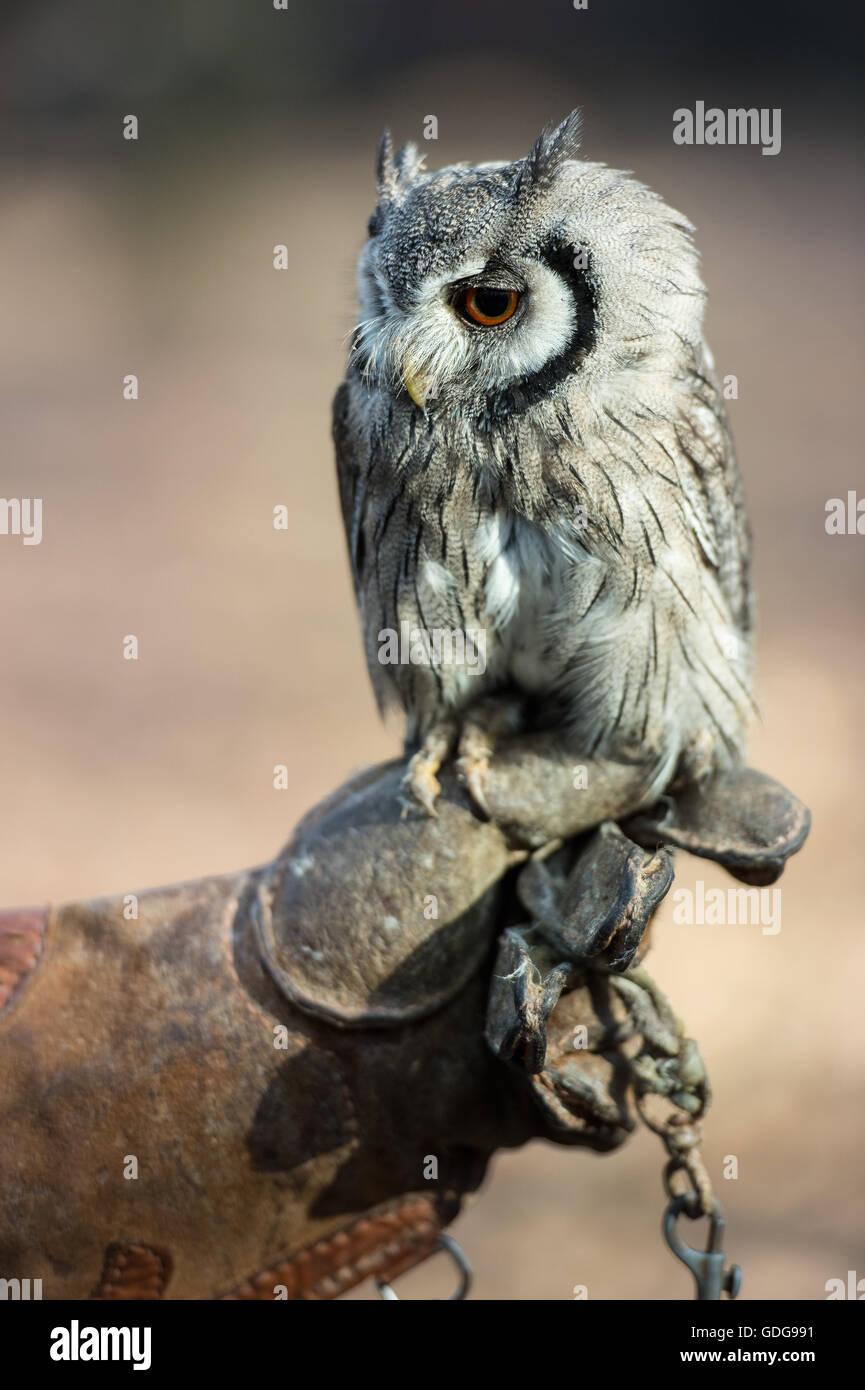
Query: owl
pixel 543 509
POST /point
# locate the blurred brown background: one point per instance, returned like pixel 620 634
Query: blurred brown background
pixel 155 258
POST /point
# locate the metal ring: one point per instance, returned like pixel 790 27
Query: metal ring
pixel 447 1243
pixel 690 1199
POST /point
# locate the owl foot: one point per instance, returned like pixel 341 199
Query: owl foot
pixel 420 784
pixel 488 721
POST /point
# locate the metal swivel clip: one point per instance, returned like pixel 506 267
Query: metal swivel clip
pixel 707 1266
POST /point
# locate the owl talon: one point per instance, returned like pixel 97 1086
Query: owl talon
pixel 474 770
pixel 421 787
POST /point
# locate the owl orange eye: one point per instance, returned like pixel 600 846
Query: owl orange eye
pixel 488 306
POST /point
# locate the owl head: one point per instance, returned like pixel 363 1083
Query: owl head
pixel 488 288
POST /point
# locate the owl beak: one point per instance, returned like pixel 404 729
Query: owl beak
pixel 417 385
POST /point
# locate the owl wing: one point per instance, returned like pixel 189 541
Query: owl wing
pixel 353 476
pixel 349 477
pixel 706 441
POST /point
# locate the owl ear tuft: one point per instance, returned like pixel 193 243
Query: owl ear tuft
pixel 553 146
pixel 409 163
pixel 395 171
pixel 386 174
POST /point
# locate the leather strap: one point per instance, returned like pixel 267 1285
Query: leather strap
pixel 386 1242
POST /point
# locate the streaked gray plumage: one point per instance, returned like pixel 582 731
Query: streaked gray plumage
pixel 564 480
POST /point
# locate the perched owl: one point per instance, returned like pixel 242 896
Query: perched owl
pixel 544 514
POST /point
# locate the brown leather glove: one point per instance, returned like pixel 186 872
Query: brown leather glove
pixel 275 1083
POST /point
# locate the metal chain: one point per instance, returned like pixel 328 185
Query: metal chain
pixel 669 1065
